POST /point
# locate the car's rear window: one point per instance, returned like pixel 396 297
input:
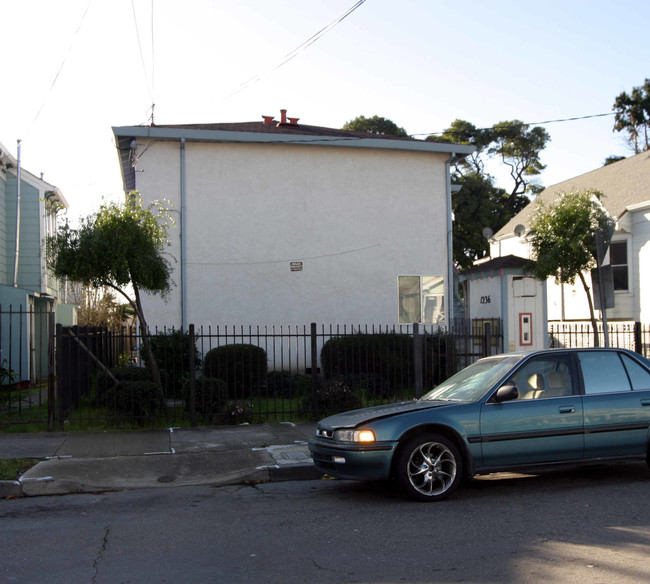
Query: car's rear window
pixel 603 372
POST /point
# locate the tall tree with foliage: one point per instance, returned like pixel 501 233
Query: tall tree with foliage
pixel 564 240
pixel 121 246
pixel 375 125
pixel 632 116
pixel 481 203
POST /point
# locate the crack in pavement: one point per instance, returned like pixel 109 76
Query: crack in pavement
pixel 100 555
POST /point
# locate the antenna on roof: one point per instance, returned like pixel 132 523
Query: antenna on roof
pixel 520 230
pixel 153 107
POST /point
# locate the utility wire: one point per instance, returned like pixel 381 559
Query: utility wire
pixel 299 49
pixel 137 34
pixel 573 119
pixel 56 77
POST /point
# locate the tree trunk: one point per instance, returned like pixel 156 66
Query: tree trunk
pixel 144 329
pixel 592 314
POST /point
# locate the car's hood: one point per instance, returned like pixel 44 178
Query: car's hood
pixel 355 417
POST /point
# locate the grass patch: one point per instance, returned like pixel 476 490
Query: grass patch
pixel 11 469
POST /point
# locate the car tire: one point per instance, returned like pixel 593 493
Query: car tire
pixel 428 467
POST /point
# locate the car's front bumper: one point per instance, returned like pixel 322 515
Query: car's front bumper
pixel 352 461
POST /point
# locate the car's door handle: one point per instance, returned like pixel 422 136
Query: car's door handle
pixel 567 409
pixel 645 402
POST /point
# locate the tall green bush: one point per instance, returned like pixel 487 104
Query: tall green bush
pixel 137 399
pixel 209 395
pixel 171 349
pixel 382 365
pixel 241 366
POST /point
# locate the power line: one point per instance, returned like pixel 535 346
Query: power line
pixel 56 77
pixel 299 49
pixel 137 35
pixel 573 119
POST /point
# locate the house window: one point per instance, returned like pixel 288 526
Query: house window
pixel 618 261
pixel 421 299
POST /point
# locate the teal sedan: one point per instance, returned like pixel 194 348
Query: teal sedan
pixel 502 413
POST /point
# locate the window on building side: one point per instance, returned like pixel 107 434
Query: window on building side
pixel 619 263
pixel 421 299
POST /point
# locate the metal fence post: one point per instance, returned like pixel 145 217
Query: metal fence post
pixel 51 355
pixel 487 340
pixel 60 367
pixel 638 343
pixel 417 359
pixel 192 365
pixel 314 372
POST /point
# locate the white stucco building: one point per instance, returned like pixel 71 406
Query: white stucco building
pixel 281 223
pixel 626 188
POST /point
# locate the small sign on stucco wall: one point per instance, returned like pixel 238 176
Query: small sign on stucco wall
pixel 296 266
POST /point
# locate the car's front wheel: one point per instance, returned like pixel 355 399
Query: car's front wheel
pixel 428 467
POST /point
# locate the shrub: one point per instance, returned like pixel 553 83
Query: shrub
pixel 238 412
pixel 439 359
pixel 209 395
pixel 135 398
pixel 172 353
pixel 127 374
pixel 284 384
pixel 383 364
pixel 242 367
pixel 386 356
pixel 333 396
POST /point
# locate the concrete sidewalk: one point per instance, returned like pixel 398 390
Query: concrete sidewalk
pixel 90 462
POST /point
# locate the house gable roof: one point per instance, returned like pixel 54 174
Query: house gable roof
pixel 623 183
pixel 270 131
pixel 498 265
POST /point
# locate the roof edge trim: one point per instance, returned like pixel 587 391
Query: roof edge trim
pixel 160 133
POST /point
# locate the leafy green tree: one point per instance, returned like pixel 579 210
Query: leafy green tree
pixel 564 240
pixel 612 159
pixel 477 205
pixel 375 125
pixel 121 247
pixel 632 116
pixel 519 147
pixel 481 203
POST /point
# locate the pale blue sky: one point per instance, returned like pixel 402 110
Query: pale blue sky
pixel 421 63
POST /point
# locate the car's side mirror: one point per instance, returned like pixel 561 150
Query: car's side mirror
pixel 506 393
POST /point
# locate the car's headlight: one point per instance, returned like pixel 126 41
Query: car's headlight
pixel 354 435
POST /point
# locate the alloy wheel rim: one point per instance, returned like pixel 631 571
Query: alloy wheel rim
pixel 431 469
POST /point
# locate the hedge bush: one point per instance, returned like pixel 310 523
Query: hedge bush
pixel 383 364
pixel 172 353
pixel 384 356
pixel 241 366
pixel 284 384
pixel 333 396
pixel 209 395
pixel 139 399
pixel 123 374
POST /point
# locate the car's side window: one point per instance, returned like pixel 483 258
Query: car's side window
pixel 603 372
pixel 639 376
pixel 544 377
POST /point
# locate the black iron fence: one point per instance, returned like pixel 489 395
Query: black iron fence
pixel 217 375
pixel 92 377
pixel 628 335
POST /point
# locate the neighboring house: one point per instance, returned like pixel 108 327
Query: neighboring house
pixel 626 188
pixel 26 287
pixel 281 223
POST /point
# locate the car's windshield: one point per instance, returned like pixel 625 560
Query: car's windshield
pixel 471 383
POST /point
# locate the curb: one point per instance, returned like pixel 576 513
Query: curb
pixel 11 490
pixel 260 465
